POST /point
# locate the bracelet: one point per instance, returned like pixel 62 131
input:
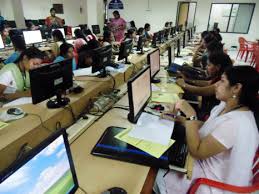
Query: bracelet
pixel 192 118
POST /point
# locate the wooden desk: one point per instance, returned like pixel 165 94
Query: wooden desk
pixel 96 174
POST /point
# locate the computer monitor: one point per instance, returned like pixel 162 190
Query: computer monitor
pixel 96 29
pixel 62 31
pixel 32 37
pixel 1 42
pixel 73 30
pixel 161 36
pixel 171 54
pixel 167 33
pixel 47 168
pixel 154 39
pixel 101 58
pixel 154 62
pixel 42 22
pixel 140 45
pixel 50 80
pixel 83 26
pixel 125 50
pixel 11 24
pixel 172 32
pixel 139 93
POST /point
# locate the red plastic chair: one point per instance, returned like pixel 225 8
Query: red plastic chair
pixel 227 187
pixel 251 48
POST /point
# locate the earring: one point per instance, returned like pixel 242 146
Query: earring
pixel 234 96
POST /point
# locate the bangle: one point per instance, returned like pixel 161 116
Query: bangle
pixel 192 118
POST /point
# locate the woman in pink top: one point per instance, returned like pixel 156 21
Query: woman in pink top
pixel 225 145
pixel 117 26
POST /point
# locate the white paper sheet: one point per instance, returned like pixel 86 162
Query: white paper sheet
pixel 19 101
pixel 155 88
pixel 152 128
pixel 84 72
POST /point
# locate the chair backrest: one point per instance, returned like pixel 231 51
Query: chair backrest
pixel 257 58
pixel 241 40
pixel 256 168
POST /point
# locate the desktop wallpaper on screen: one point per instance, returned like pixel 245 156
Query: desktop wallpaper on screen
pixel 48 172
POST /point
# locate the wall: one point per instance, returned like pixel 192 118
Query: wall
pixel 39 9
pixel 158 12
pixel 6 9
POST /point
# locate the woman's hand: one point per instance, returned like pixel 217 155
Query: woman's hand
pixel 181 83
pixel 185 107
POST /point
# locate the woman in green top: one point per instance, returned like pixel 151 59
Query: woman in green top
pixel 5 36
pixel 14 77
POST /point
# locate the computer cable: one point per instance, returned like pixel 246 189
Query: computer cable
pixel 120 107
pixel 82 190
pixel 32 114
pixel 70 109
pixel 114 80
pixel 58 125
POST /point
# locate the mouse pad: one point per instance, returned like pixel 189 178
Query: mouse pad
pixel 110 147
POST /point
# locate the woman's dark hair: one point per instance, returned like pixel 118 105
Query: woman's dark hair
pixel 64 49
pixel 83 52
pixel 140 31
pixel 129 33
pixel 87 32
pixel 52 9
pixel 222 60
pixel 204 34
pixel 248 77
pixel 166 24
pixel 58 34
pixel 215 46
pixel 31 53
pixel 147 25
pixel 106 35
pixel 208 38
pixel 132 24
pixel 18 43
pixel 116 13
pixel 79 34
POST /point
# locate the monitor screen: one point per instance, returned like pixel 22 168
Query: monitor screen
pixel 48 168
pixel 96 29
pixel 62 30
pixel 73 30
pixel 101 58
pixel 125 49
pixel 154 61
pixel 50 80
pixel 1 42
pixel 139 93
pixel 32 37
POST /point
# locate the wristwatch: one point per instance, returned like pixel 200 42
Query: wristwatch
pixel 192 118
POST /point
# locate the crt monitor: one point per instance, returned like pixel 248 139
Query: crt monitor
pixel 125 50
pixel 11 23
pixel 140 45
pixel 1 42
pixel 42 22
pixel 173 31
pixel 102 58
pixel 73 30
pixel 154 62
pixel 154 39
pixel 96 29
pixel 32 37
pixel 139 93
pixel 50 80
pixel 161 36
pixel 62 31
pixel 47 168
pixel 171 54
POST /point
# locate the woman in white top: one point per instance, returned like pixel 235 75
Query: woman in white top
pixel 14 77
pixel 225 145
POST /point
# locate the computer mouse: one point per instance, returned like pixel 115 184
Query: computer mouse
pixel 15 111
pixel 115 190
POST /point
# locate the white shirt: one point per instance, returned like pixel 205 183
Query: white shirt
pixel 237 131
pixel 8 80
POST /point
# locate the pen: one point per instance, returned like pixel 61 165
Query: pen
pixel 170 115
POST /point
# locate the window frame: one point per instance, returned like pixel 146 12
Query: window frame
pixel 229 18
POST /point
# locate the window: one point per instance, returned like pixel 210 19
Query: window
pixel 231 17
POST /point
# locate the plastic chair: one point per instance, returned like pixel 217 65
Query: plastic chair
pixel 251 48
pixel 242 47
pixel 227 187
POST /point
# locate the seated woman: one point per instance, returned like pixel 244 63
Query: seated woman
pixel 66 52
pixel 14 77
pixel 58 40
pixel 225 145
pixel 147 33
pixel 108 39
pixel 131 35
pixel 217 64
pixel 5 36
pixel 80 39
pixel 19 46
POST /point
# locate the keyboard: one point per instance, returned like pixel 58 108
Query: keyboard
pixel 75 130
